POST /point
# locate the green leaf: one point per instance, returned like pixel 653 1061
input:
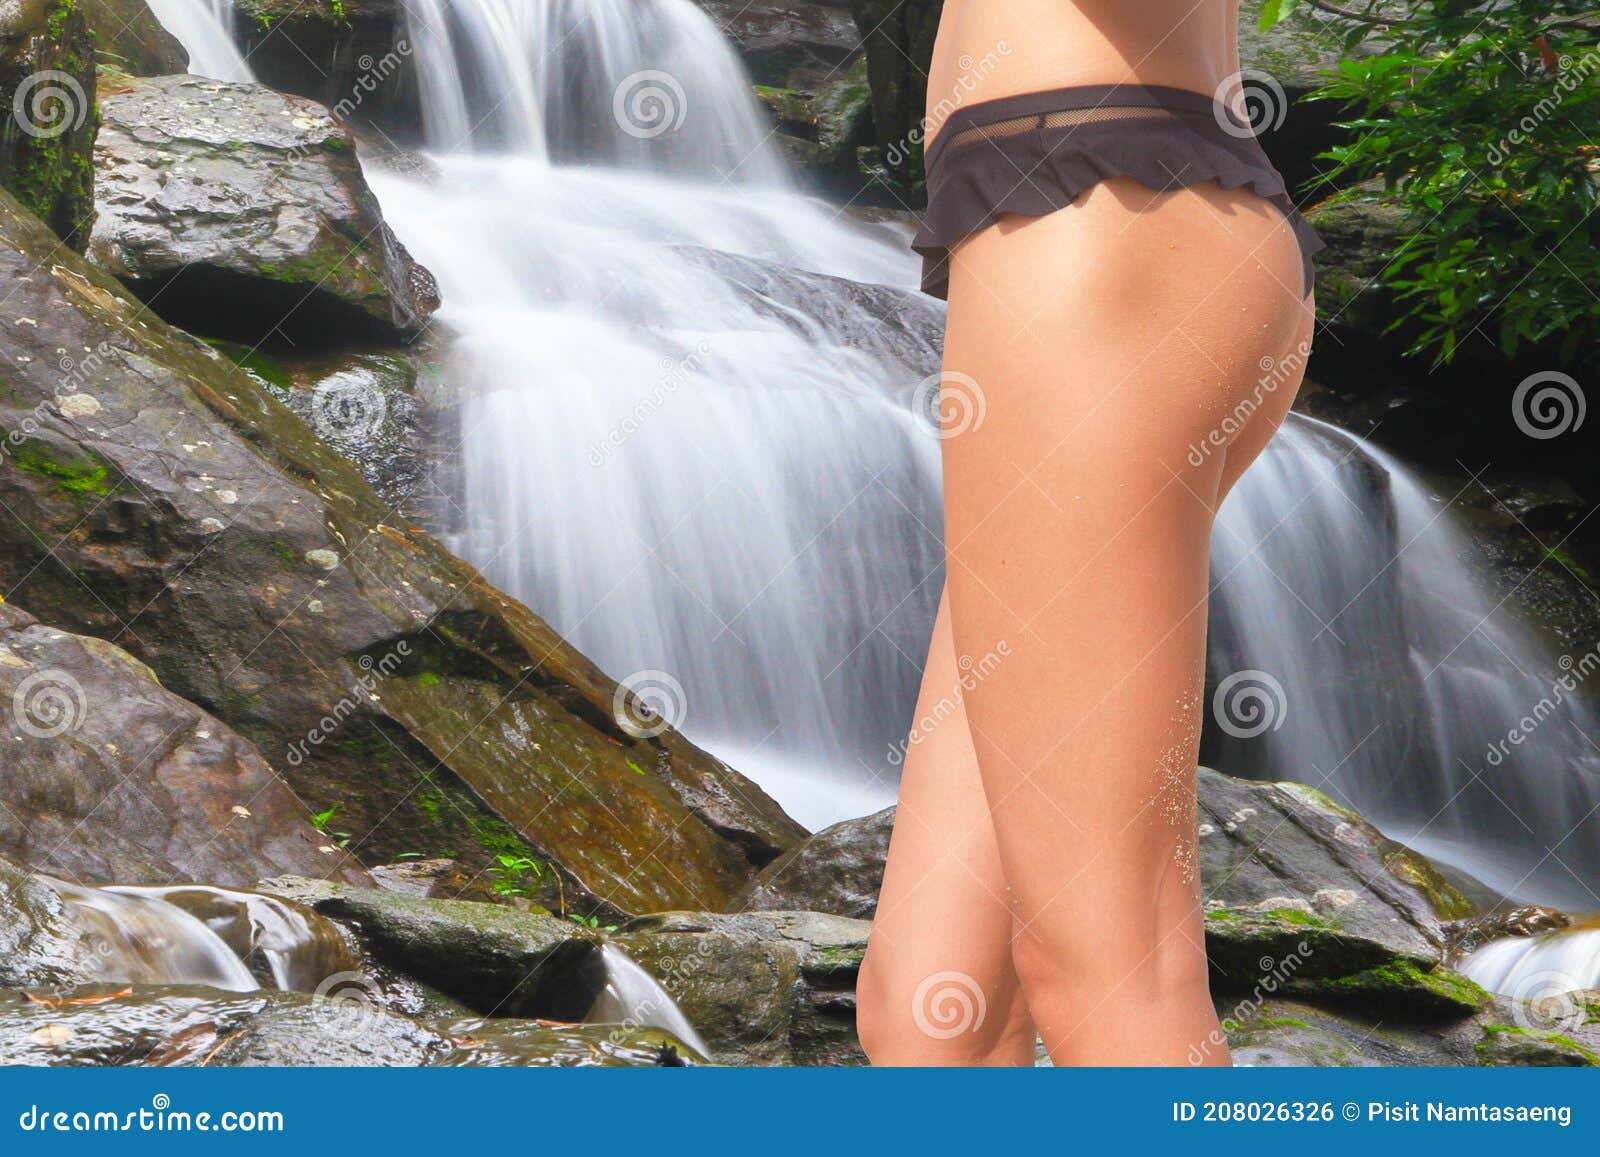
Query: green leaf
pixel 1276 11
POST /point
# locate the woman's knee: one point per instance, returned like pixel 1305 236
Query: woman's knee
pixel 944 1018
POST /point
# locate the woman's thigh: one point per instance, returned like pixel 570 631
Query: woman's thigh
pixel 1101 345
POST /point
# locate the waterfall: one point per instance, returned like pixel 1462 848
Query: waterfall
pixel 1538 967
pixel 695 454
pixel 205 29
pixel 699 486
pixel 1343 590
pixel 632 996
pixel 145 940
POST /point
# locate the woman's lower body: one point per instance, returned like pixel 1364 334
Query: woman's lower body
pixel 1130 355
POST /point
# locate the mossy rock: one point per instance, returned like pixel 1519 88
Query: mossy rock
pixel 47 78
pixel 1506 1044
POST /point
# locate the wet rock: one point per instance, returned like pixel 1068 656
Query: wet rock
pixel 189 514
pixel 436 879
pixel 838 870
pixel 511 1043
pixel 42 946
pixel 154 1027
pixel 788 43
pixel 1523 920
pixel 354 56
pixel 322 1033
pixel 898 36
pixel 764 988
pixel 495 959
pixel 905 327
pixel 110 777
pixel 242 213
pixel 1541 1048
pixel 128 36
pixel 47 94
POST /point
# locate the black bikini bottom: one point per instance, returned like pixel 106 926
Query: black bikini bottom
pixel 1036 153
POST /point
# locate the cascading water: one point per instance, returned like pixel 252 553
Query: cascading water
pixel 693 475
pixel 204 28
pixel 1386 675
pixel 632 996
pixel 683 479
pixel 1535 967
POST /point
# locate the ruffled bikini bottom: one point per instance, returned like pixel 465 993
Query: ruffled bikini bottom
pixel 1039 152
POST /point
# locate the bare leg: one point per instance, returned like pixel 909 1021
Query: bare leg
pixel 938 986
pixel 1107 340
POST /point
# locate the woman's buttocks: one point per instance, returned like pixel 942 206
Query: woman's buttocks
pixel 987 49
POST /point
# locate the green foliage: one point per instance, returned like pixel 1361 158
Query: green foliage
pixel 514 875
pixel 321 820
pixel 1483 119
pixel 590 922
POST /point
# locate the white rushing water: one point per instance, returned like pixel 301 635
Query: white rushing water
pixel 1345 580
pixel 705 470
pixel 1540 967
pixel 205 29
pixel 687 478
pixel 631 996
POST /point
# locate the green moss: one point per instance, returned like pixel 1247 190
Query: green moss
pixel 1297 916
pixel 284 551
pixel 265 370
pixel 71 476
pixel 1490 1031
pixel 1278 1022
pixel 1403 979
pixel 427 679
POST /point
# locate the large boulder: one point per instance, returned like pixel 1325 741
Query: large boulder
pixel 111 778
pixel 128 37
pixel 494 959
pixel 47 99
pixel 42 944
pixel 767 988
pixel 157 494
pixel 788 43
pixel 838 870
pixel 239 212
